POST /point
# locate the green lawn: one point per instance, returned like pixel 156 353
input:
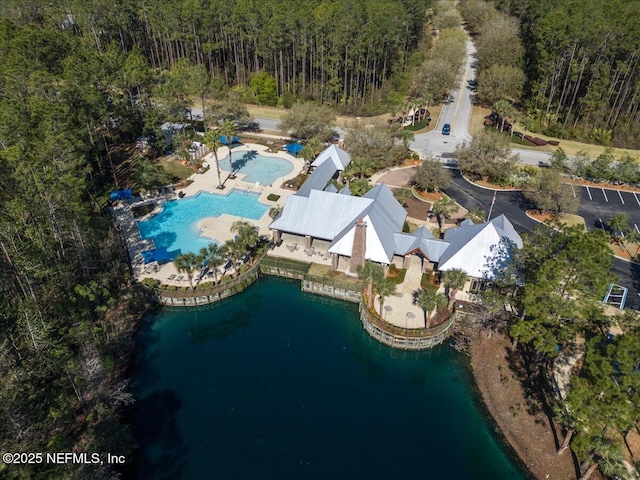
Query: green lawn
pixel 176 169
pixel 399 278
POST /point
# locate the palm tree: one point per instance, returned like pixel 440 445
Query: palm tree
pixel 369 272
pixel 312 148
pixel 477 214
pixel 406 136
pixel 444 208
pixel 233 249
pixel 427 99
pixel 212 140
pixel 212 255
pixel 248 237
pixel 504 109
pixel 186 263
pixel 454 280
pixel 358 168
pixel 430 300
pixel 416 103
pixel 383 287
pixel 607 456
pixel 228 129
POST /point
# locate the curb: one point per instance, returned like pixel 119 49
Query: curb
pixel 613 254
pixel 500 189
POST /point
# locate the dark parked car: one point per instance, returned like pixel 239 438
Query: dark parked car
pixel 446 129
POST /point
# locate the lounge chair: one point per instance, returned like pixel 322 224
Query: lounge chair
pixel 172 276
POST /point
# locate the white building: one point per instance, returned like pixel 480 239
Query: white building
pixel 370 227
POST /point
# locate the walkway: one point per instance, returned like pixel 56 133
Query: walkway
pixel 396 307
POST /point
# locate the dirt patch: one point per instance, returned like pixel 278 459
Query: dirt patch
pixel 429 196
pixel 503 383
pixel 410 162
pixel 565 218
pixel 417 209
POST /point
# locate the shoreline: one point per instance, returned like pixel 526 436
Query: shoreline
pixel 498 376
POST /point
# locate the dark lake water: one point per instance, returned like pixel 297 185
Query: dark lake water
pixel 278 384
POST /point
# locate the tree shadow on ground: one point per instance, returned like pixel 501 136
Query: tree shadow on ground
pixel 538 393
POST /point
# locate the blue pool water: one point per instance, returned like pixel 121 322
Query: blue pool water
pixel 175 228
pixel 265 170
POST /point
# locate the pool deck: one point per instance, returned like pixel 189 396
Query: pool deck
pixel 398 306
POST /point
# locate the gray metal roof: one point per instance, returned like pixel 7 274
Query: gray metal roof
pixel 386 218
pixel 405 242
pixel 345 191
pixel 318 179
pixel 392 208
pixel 475 248
pixel 331 188
pixel 433 248
pixel 421 239
pixel 505 229
pixel 321 214
pixel 466 222
pixel 336 155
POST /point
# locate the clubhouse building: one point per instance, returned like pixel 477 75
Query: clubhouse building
pixel 371 228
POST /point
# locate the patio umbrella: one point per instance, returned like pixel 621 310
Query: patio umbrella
pixel 293 148
pixel 223 139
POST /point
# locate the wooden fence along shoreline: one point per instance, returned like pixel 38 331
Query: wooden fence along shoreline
pixel 384 332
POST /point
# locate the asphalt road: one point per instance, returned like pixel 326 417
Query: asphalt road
pixel 513 205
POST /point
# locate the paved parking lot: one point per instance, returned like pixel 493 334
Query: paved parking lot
pixel 599 205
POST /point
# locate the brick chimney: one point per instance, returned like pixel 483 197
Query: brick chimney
pixel 359 246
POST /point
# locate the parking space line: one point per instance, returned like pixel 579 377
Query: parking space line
pixel 637 200
pixel 573 190
pixel 605 195
pixel 637 230
pixel 601 224
pixel 589 192
pixel 620 195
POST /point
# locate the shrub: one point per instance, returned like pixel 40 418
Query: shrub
pixel 150 282
pixel 272 197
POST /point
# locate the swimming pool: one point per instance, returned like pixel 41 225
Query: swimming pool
pixel 256 167
pixel 175 228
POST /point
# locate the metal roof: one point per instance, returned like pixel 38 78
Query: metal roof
pixel 375 249
pixel 338 157
pixel 331 188
pixel 480 250
pixel 321 214
pixel 345 191
pixel 421 239
pixel 318 179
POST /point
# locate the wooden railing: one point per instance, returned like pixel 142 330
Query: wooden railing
pixel 404 338
pixel 384 332
pixel 193 297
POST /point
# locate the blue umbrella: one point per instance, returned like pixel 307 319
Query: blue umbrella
pixel 293 148
pixel 223 139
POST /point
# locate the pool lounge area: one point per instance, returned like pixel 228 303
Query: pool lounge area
pixel 256 168
pixel 176 228
pixel 210 224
